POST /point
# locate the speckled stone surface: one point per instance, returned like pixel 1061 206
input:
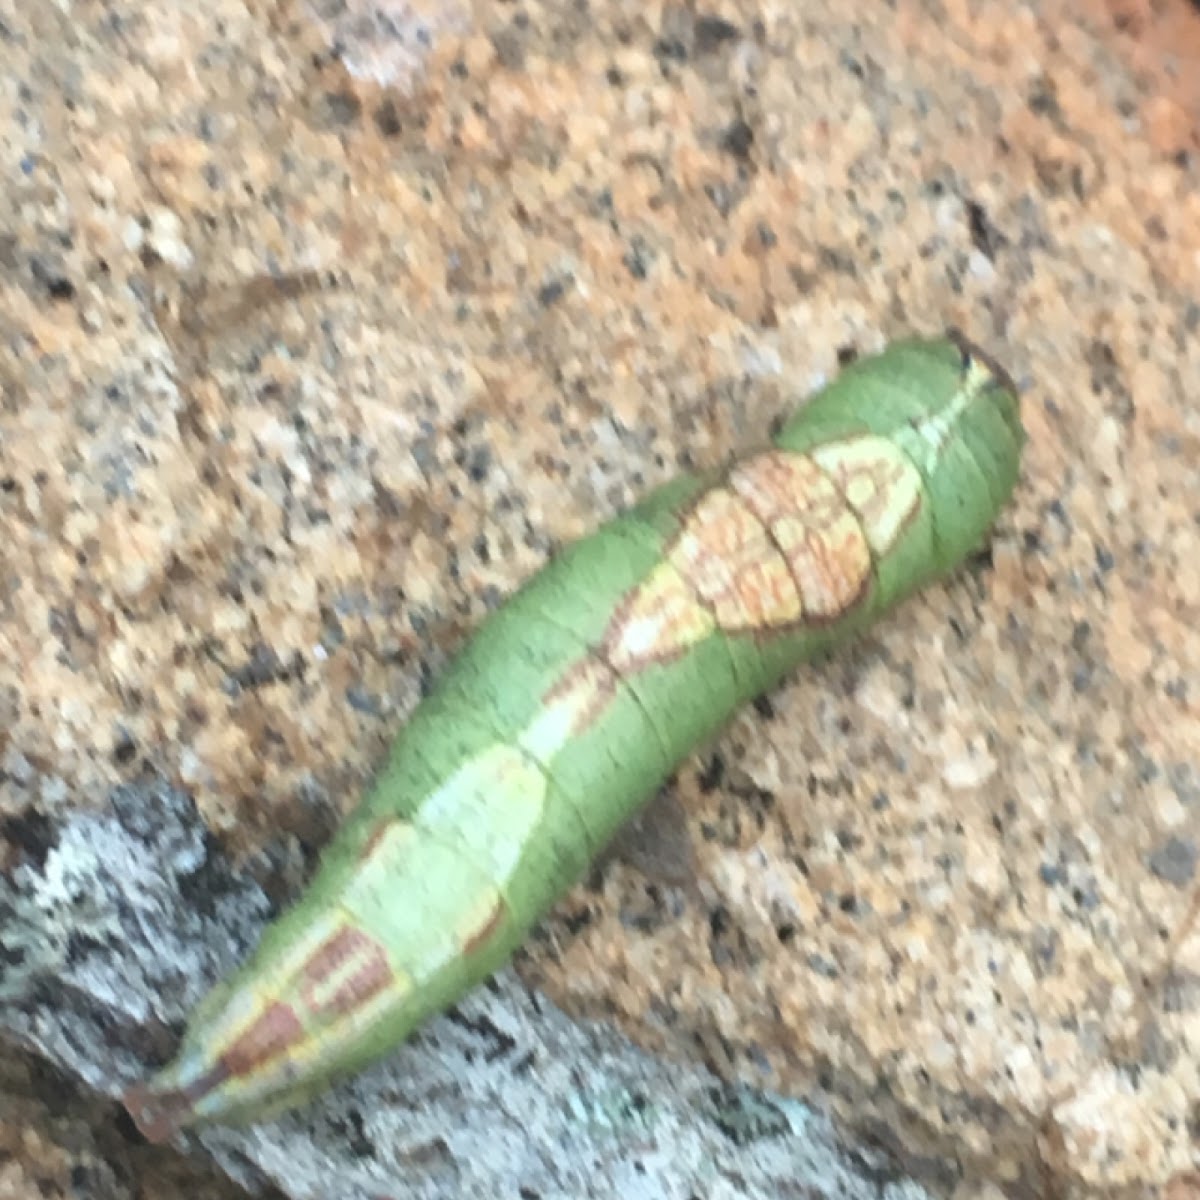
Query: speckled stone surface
pixel 52 1149
pixel 322 324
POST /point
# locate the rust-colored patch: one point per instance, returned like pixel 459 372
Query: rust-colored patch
pixel 777 546
pixel 354 992
pixel 343 973
pixel 726 555
pixel 822 541
pixel 335 952
pixel 832 565
pixel 270 1036
pixel 779 484
pixel 486 929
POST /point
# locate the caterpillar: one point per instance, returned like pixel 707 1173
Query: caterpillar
pixel 578 698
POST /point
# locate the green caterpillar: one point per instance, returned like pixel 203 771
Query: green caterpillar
pixel 576 700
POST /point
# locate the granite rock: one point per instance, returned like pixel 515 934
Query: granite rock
pixel 322 325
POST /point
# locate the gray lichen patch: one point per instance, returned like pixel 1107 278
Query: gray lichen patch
pixel 134 912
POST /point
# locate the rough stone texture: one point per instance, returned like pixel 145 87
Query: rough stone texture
pixel 321 324
pixel 1161 39
pixel 58 1143
pixel 132 914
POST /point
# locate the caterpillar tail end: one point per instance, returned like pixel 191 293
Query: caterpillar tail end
pixel 311 1008
pixel 159 1110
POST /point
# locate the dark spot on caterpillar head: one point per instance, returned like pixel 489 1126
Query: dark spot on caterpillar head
pixel 971 354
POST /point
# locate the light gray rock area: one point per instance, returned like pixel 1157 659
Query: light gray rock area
pixel 130 913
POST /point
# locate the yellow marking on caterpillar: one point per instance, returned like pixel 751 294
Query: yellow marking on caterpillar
pixel 879 482
pixel 489 807
pixel 660 619
pixel 568 706
pixel 394 928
